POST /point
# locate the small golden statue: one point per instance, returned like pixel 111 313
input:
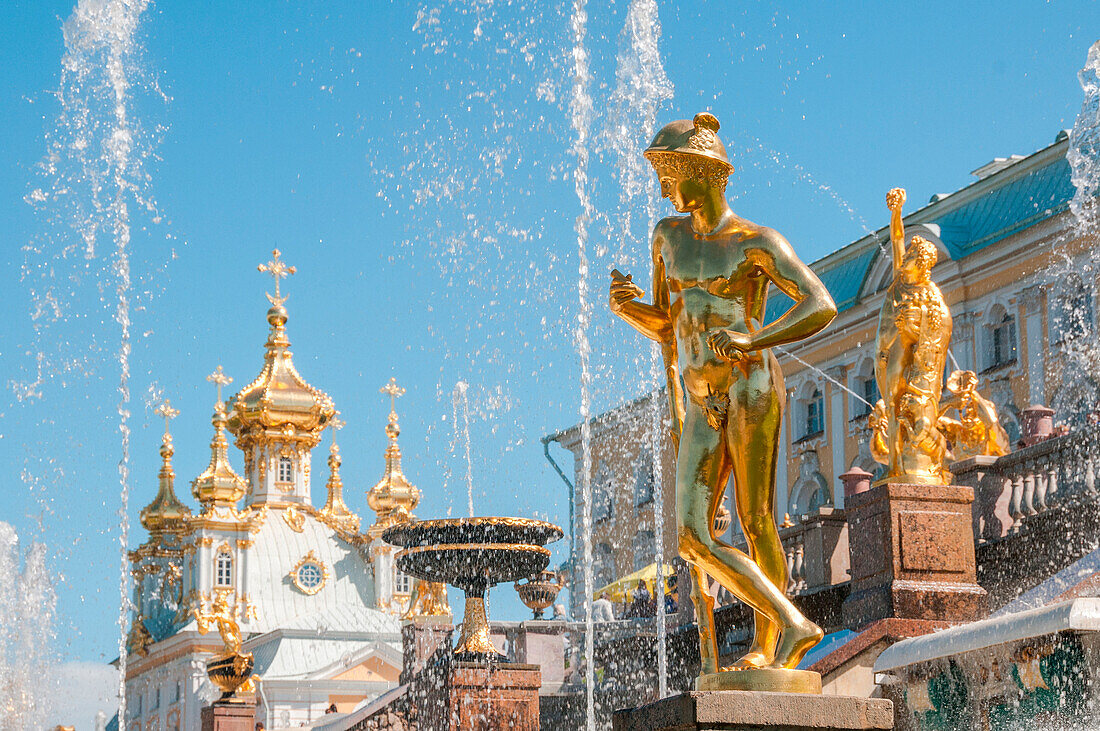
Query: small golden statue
pixel 977 430
pixel 711 272
pixel 429 599
pixel 230 671
pixel 914 332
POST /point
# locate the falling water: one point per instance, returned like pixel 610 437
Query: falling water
pixel 580 108
pixel 641 85
pixel 459 398
pixel 1084 146
pixel 27 603
pixel 94 169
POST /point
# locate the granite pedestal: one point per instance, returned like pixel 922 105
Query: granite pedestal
pixel 494 696
pixel 735 710
pixel 912 555
pixel 234 715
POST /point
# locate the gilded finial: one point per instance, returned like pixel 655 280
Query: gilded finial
pixel 219 378
pixel 166 411
pixel 278 269
pixel 394 392
pixel 336 424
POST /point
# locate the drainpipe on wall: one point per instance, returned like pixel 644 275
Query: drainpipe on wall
pixel 572 533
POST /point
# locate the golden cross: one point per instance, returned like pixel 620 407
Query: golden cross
pixel 166 410
pixel 278 269
pixel 336 425
pixel 218 377
pixel 394 391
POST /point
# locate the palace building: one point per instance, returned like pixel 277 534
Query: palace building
pixel 1015 324
pixel 317 599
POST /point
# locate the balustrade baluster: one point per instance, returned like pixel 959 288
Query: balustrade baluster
pixel 1014 508
pixel 1029 493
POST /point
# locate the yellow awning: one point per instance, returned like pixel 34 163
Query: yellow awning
pixel 621 590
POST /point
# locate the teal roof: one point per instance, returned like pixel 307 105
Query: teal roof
pixel 1007 209
pixel 1000 212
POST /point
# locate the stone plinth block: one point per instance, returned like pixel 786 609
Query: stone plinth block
pixel 495 696
pixel 912 554
pixel 235 715
pixel 737 710
pixel 422 639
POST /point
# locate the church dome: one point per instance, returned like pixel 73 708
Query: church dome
pixel 279 399
pixel 393 497
pixel 166 513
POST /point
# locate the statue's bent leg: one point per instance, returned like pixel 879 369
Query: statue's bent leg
pixel 700 450
pixel 752 436
pixel 701 462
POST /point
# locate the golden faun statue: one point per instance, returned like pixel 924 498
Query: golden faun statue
pixel 429 599
pixel 711 272
pixel 977 430
pixel 914 332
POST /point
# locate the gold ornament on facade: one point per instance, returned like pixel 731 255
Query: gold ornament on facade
pixel 914 333
pixel 310 574
pixel 335 513
pixel 279 405
pixel 294 519
pixel 139 638
pixel 977 430
pixel 218 486
pixel 711 274
pixel 393 497
pixel 166 513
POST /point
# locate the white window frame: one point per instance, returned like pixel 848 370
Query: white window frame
pixel 284 469
pixel 218 566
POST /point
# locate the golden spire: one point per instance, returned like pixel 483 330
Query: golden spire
pixel 279 403
pixel 218 485
pixel 393 497
pixel 166 512
pixel 335 512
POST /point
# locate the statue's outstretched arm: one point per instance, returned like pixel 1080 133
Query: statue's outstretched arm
pixel 651 320
pixel 895 199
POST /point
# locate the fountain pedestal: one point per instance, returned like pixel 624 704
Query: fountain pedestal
pixel 238 714
pixel 912 555
pixel 740 710
pixel 494 696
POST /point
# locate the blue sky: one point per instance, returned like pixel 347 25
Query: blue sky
pixel 413 161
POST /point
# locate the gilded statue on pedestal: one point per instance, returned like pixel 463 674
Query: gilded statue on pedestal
pixel 914 332
pixel 429 599
pixel 711 274
pixel 231 670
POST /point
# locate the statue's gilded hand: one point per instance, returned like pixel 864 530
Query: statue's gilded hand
pixel 729 344
pixel 895 199
pixel 622 290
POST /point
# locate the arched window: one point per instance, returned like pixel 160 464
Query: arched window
pixel 402 582
pixel 223 569
pixel 643 478
pixel 603 565
pixel 1000 340
pixel 644 549
pixel 602 497
pixel 286 469
pixel 815 414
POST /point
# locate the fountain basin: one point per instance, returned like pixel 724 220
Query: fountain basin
pixel 473 554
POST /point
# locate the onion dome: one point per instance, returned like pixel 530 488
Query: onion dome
pixel 393 497
pixel 335 512
pixel 218 485
pixel 279 399
pixel 166 513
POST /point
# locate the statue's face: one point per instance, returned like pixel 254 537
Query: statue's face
pixel 685 193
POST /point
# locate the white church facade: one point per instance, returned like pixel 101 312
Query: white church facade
pixel 318 601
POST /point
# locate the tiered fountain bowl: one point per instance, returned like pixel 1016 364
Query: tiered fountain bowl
pixel 473 554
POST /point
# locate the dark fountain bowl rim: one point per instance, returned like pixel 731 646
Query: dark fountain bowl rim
pixel 484 529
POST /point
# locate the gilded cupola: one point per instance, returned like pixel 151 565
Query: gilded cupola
pixel 218 485
pixel 335 512
pixel 166 514
pixel 393 497
pixel 279 403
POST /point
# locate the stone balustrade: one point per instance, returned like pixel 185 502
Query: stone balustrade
pixel 817 551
